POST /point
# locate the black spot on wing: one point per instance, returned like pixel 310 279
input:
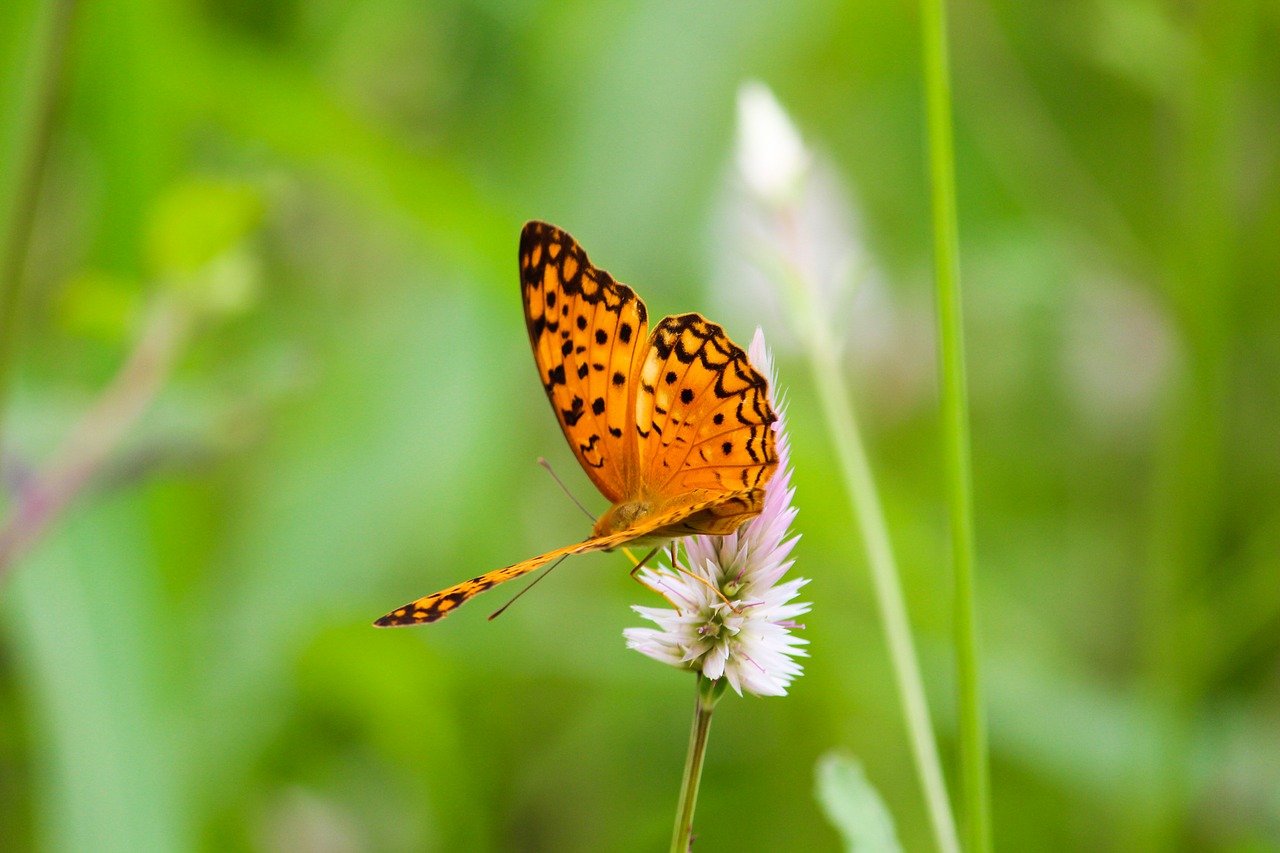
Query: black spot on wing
pixel 588 449
pixel 573 414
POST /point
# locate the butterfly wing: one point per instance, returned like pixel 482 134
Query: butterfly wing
pixel 652 529
pixel 716 514
pixel 585 328
pixel 698 439
pixel 440 604
pixel 703 418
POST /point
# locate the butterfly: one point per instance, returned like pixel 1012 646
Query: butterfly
pixel 673 426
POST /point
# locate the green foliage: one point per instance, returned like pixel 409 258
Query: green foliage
pixel 99 305
pixel 194 243
pixel 196 221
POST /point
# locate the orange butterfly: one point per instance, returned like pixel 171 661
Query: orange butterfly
pixel 673 426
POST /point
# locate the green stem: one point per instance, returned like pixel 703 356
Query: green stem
pixel 35 119
pixel 98 433
pixel 955 420
pixel 860 484
pixel 810 320
pixel 708 694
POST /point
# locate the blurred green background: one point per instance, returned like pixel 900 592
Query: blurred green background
pixel 331 195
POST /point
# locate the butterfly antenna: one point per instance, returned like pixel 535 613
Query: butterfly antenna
pixel 545 464
pixel 495 614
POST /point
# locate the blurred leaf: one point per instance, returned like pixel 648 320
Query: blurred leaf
pixel 853 806
pixel 272 100
pixel 197 221
pixel 229 285
pixel 1165 49
pixel 99 305
pixel 110 767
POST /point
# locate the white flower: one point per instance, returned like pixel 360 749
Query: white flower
pixel 735 617
pixel 771 154
pixel 784 217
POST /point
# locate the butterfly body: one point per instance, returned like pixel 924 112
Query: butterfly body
pixel 673 426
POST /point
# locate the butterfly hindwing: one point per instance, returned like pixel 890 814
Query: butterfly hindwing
pixel 706 512
pixel 585 328
pixel 702 412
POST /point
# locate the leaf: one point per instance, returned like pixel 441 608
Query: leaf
pixel 99 305
pixel 852 805
pixel 197 221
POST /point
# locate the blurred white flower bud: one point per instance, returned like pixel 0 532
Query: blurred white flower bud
pixel 771 154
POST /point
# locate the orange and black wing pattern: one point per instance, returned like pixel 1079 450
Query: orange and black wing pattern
pixel 674 427
pixel 702 413
pixel 585 329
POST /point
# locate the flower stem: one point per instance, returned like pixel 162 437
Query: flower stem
pixel 709 693
pixel 823 353
pixel 955 418
pixel 92 440
pixel 860 484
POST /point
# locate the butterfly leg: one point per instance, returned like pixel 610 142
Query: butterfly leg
pixel 635 576
pixel 700 579
pixel 640 565
pixel 677 567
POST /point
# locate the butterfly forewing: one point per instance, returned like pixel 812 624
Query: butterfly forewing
pixel 702 412
pixel 585 329
pixel 440 604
